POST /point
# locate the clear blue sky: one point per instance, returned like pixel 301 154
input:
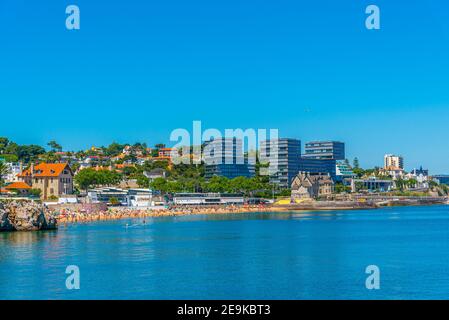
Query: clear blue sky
pixel 139 69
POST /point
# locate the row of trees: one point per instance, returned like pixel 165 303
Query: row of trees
pixel 13 152
pixel 88 178
pixel 4 170
pixel 402 184
pixel 248 186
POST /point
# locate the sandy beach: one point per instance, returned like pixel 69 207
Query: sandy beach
pixel 78 214
pixel 66 215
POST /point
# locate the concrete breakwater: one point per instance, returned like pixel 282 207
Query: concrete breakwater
pixel 24 215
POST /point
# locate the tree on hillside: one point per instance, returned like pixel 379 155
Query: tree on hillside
pixel 28 153
pixel 163 164
pixel 359 172
pixel 355 163
pixel 159 184
pixel 154 153
pixel 51 157
pixel 11 148
pixel 54 146
pixel 10 157
pixel 15 152
pixel 187 171
pixel 85 179
pixel 130 158
pixel 411 183
pixel 88 178
pixel 142 181
pixel 3 144
pixel 114 149
pixel 400 184
pixel 218 184
pixel 4 170
pixel 240 185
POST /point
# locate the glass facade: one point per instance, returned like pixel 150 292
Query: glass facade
pixel 225 157
pixel 283 155
pixel 319 166
pixel 229 171
pixel 343 172
pixel 325 150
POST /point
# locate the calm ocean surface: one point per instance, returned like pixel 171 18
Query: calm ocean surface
pixel 246 256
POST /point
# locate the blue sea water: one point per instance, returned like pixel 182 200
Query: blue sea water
pixel 314 255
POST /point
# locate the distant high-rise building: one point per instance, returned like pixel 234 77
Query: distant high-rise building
pixel 319 166
pixel 324 150
pixel 225 157
pixel 283 155
pixel 391 160
pixel 323 157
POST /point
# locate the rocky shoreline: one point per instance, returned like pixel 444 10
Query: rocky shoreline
pixel 24 215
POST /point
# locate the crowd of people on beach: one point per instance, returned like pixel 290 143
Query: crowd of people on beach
pixel 70 215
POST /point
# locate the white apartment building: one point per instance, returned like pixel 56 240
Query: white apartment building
pixel 391 160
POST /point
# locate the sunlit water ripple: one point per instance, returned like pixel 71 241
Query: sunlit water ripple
pixel 240 256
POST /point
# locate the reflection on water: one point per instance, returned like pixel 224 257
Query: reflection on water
pixel 294 255
pixel 26 238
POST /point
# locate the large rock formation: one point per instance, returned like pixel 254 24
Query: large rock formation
pixel 23 215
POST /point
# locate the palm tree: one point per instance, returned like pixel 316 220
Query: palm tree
pixel 4 170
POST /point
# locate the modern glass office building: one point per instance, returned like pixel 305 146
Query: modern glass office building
pixel 319 166
pixel 225 157
pixel 343 172
pixel 283 155
pixel 323 157
pixel 326 150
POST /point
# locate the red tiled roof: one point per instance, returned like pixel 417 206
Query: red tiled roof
pixel 45 170
pixel 124 165
pixel 17 185
pixel 393 168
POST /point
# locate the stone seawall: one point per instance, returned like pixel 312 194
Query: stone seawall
pixel 25 215
pixel 328 205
